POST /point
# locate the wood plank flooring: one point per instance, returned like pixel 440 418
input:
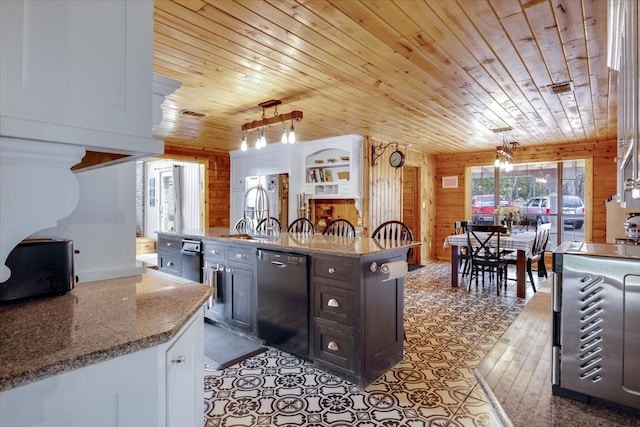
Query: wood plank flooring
pixel 517 373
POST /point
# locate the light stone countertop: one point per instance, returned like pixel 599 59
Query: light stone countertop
pixel 94 322
pixel 303 243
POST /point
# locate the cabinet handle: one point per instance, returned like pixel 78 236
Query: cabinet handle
pixel 333 346
pixel 333 303
pixel 239 256
pixel 169 244
pixel 213 251
pixel 170 264
pixel 332 270
pixel 178 360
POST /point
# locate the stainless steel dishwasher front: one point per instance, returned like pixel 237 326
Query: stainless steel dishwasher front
pixel 283 301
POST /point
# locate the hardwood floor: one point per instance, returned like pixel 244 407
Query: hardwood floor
pixel 517 373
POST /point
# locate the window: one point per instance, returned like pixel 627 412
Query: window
pixel 534 188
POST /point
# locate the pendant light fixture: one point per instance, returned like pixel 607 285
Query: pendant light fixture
pixel 504 153
pixel 292 134
pixel 243 145
pixel 261 125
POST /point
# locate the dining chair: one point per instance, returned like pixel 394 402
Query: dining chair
pixel 244 225
pixel 487 255
pixel 301 225
pixel 392 232
pixel 524 224
pixel 340 227
pixel 460 227
pixel 538 250
pixel 268 223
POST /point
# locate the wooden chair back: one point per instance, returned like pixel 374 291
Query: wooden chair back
pixel 301 225
pixel 340 227
pixel 267 223
pixel 244 225
pixel 393 230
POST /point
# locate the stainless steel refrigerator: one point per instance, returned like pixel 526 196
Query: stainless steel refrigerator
pixel 277 190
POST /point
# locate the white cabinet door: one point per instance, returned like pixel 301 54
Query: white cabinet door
pixel 158 386
pixel 185 376
pixel 121 392
pixel 70 67
pixel 238 167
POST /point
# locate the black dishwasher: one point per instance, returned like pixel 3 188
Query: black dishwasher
pixel 283 301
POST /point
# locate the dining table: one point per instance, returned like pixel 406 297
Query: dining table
pixel 520 241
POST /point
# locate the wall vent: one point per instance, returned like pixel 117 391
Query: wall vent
pixel 558 88
pixel 192 113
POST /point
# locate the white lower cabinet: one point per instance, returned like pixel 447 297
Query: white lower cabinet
pixel 184 362
pixel 158 386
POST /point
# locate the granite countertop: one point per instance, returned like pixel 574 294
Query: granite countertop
pixel 94 322
pixel 304 243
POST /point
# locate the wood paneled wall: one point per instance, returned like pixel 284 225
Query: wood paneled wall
pixel 218 166
pixel 383 193
pixel 600 185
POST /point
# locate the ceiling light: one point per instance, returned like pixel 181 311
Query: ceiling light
pixel 504 153
pixel 262 124
pixel 243 146
pixel 292 134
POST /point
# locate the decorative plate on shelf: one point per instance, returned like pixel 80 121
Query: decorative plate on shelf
pixel 331 160
pixel 319 161
pixel 345 158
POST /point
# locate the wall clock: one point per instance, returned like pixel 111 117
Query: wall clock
pixel 396 159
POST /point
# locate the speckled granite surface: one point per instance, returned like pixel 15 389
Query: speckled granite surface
pixel 304 243
pixel 94 322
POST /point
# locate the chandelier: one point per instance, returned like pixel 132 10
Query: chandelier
pixel 288 135
pixel 541 179
pixel 504 153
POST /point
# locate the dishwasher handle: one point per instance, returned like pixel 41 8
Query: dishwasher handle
pixel 278 264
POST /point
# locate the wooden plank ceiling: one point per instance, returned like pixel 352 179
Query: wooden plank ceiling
pixel 441 75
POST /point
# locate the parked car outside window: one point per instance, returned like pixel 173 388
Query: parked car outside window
pixel 538 209
pixel 483 207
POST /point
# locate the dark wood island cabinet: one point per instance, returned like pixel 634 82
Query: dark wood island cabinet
pixel 355 311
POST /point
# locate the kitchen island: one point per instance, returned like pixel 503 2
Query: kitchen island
pixel 354 310
pixel 127 351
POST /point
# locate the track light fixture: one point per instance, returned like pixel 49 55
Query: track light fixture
pixel 261 125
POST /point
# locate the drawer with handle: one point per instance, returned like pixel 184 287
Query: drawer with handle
pixel 213 251
pixel 242 255
pixel 169 243
pixel 334 346
pixel 333 303
pixel 334 269
pixel 170 262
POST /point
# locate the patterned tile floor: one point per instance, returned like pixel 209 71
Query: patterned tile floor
pixel 448 333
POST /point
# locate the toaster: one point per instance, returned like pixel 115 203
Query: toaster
pixel 39 267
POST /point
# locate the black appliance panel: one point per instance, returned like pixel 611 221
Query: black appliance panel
pixel 39 267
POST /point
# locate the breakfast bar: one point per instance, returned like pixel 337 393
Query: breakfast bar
pixel 350 290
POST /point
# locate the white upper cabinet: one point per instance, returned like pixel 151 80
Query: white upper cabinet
pixel 76 91
pixel 78 73
pixel 329 168
pixel 624 44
